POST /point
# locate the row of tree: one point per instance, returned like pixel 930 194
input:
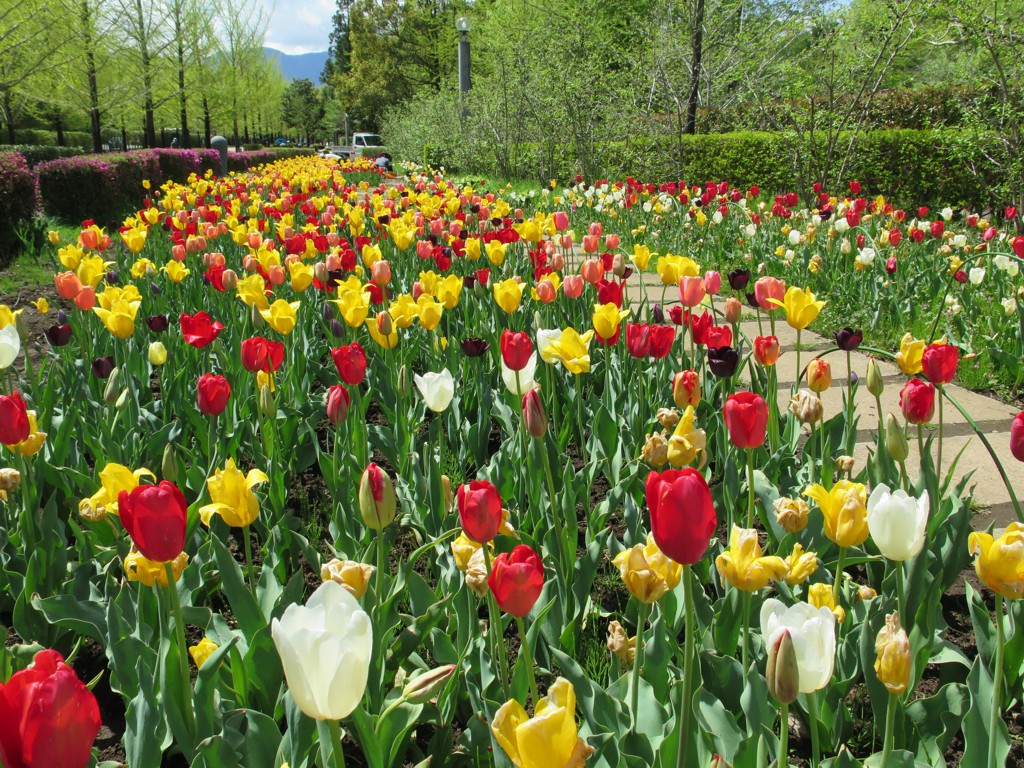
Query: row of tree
pixel 108 65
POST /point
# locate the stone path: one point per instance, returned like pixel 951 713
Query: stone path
pixel 992 500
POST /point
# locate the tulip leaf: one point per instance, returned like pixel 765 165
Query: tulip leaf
pixel 393 731
pixel 409 639
pixel 601 710
pixel 717 725
pixel 936 720
pixel 977 725
pixel 843 760
pixel 244 606
pixel 898 758
pixel 84 617
pixel 145 736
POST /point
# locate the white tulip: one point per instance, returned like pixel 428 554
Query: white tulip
pixel 437 389
pixel 717 217
pixel 813 631
pixel 546 338
pixel 946 213
pixel 841 225
pixel 976 275
pixel 959 241
pixel 897 522
pixel 1010 306
pixel 10 345
pixel 794 237
pixel 750 230
pixel 526 376
pixel 866 256
pixel 325 649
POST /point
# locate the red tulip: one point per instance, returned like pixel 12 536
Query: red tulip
pixel 746 418
pixel 718 336
pixel 14 426
pixel 516 349
pixel 662 338
pixel 338 402
pixel 212 393
pixel 534 417
pixel 198 329
pixel 154 516
pixel 479 510
pixel 1017 437
pixel 767 350
pixel 609 292
pixel 350 360
pixel 516 580
pixel 917 401
pixel 48 718
pixel 259 354
pixel 939 362
pixel 638 339
pixel 683 516
pixel 938 227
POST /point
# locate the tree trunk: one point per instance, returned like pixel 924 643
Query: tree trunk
pixel 147 75
pixel 698 52
pixel 58 124
pixel 9 118
pixel 182 98
pixel 206 121
pixel 90 68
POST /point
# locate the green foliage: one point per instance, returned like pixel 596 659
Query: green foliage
pixel 302 108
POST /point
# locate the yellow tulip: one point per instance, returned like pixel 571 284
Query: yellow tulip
pixel 463 549
pixel 801 306
pixel 529 230
pixel 496 252
pixel 117 314
pixel 845 511
pixel 743 565
pixel 508 293
pixel 401 234
pixel 641 256
pixel 142 267
pixel 686 441
pixel 353 306
pixel 42 305
pixel 910 354
pixel 570 349
pixel 134 239
pixel 429 312
pixel 157 353
pixel 449 290
pixel 150 572
pixel 403 310
pixel 354 577
pixel 892 659
pixel 70 256
pixel 607 319
pixel 232 497
pixel 356 221
pixel 550 738
pixel 301 275
pixel 7 317
pixel 473 248
pixel 371 254
pixel 999 563
pixel 92 269
pixel 820 595
pixel 202 651
pixel 114 478
pixel 176 271
pixel 387 342
pixel 646 571
pixel 429 282
pixel 800 565
pixel 252 290
pixel 281 316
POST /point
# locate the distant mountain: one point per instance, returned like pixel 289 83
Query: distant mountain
pixel 296 66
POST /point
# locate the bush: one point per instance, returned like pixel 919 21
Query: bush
pixel 283 153
pixel 17 201
pixel 35 154
pixel 100 187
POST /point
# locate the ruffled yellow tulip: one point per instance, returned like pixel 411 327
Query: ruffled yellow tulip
pixel 910 354
pixel 202 651
pixel 743 565
pixel 686 441
pixel 646 571
pixel 149 572
pixel 999 563
pixel 508 293
pixel 845 511
pixel 232 496
pixel 403 310
pixel 800 565
pixel 550 738
pixel 353 576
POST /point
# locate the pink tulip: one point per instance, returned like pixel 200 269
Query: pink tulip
pixel 596 229
pixel 178 252
pixel 381 272
pixel 712 282
pixel 417 291
pixel 557 262
pixel 572 286
pixel 590 243
pixel 611 242
pixel 566 241
pixel 333 238
pixel 276 274
pixel 286 233
pixel 592 270
pixel 424 249
pixel 769 288
pixel 691 291
pixel 561 219
pixel 436 227
pixel 254 240
pixel 545 291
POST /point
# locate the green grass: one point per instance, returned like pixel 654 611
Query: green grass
pixel 30 270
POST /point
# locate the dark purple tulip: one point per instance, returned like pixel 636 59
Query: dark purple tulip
pixel 335 276
pixel 328 312
pixel 102 366
pixel 657 315
pixel 157 323
pixel 154 288
pixel 723 361
pixel 738 279
pixel 752 301
pixel 112 277
pixel 59 335
pixel 848 339
pixel 62 317
pixel 337 329
pixel 627 272
pixel 474 347
pixel 469 281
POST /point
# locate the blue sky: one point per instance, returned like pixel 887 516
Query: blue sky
pixel 299 26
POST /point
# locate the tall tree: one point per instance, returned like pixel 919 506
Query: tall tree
pixel 302 108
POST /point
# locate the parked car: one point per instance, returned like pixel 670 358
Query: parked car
pixel 281 142
pixel 360 141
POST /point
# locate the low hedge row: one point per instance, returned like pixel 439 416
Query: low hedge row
pixel 912 167
pixel 35 154
pixel 114 181
pixel 17 201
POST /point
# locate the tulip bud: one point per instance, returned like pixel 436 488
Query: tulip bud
pixel 157 353
pixel 229 279
pixel 717 761
pixel 427 685
pixel 169 464
pixel 337 329
pixel 113 389
pixel 337 404
pixel 896 439
pixel 122 400
pixel 10 479
pixel 845 464
pixel 806 406
pixel 19 325
pixel 449 493
pixel 384 324
pixel 320 273
pixel 618 265
pixel 782 673
pixel 875 384
pixel 819 375
pixel 865 592
pixel 403 381
pixel 378 503
pixel 657 314
pixel 892 662
pixel 266 403
pixel 534 418
pixel 255 316
pixel 733 309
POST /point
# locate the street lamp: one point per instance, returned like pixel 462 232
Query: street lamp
pixel 463 25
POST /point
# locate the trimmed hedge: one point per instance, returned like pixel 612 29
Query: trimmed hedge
pixel 35 154
pixel 108 187
pixel 17 201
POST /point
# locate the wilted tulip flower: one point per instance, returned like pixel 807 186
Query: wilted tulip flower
pixel 897 522
pixel 647 572
pixel 813 633
pixel 893 660
pixel 50 717
pixel 437 389
pixel 353 576
pixel 791 514
pixel 325 648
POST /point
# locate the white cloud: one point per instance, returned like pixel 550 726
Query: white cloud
pixel 299 26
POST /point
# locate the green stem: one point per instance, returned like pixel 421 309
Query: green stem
pixel 568 556
pixel 812 721
pixel 750 489
pixel 686 715
pixel 837 584
pixel 495 632
pixel 381 567
pixel 938 460
pixel 525 644
pixel 901 598
pixel 634 686
pixel 890 725
pixel 997 684
pixel 179 628
pixel 745 651
pixel 336 751
pixel 783 736
pixel 248 560
pixel 799 373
